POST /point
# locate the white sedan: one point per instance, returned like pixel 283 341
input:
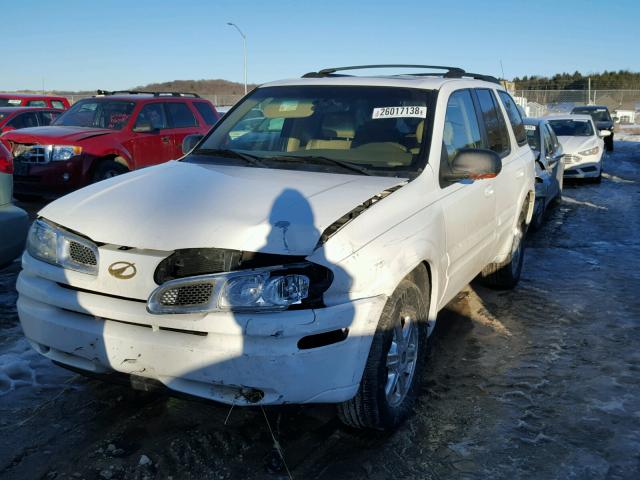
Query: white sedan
pixel 582 145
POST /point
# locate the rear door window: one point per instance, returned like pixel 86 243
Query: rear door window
pixel 514 117
pixel 496 127
pixel 180 116
pixel 207 112
pixel 36 103
pixel 57 104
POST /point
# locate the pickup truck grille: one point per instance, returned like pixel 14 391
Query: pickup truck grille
pixel 31 153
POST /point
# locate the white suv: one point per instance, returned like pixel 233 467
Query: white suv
pixel 303 260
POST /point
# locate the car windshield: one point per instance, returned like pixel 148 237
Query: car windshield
pixel 571 128
pixel 598 114
pixel 339 129
pixel 111 114
pixel 533 136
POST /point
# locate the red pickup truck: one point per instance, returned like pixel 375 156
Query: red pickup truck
pixel 103 136
pixel 33 100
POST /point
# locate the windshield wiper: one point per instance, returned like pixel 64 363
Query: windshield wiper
pixel 227 152
pixel 332 161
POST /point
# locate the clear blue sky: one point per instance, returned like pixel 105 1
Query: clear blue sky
pixel 122 44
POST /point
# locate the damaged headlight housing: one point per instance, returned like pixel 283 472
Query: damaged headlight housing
pixel 54 245
pixel 263 289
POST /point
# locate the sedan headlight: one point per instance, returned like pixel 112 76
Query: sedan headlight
pixel 264 289
pixel 64 152
pixel 591 151
pixel 54 245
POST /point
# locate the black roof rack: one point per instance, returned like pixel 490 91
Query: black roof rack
pixel 155 94
pixel 450 72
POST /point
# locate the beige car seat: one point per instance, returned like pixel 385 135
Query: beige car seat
pixel 338 131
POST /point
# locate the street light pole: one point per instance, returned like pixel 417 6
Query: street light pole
pixel 244 48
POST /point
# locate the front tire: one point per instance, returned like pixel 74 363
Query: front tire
pixel 391 378
pixel 108 169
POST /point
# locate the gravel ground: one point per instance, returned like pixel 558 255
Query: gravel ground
pixel 541 382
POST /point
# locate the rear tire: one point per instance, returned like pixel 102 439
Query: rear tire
pixel 391 379
pixel 108 169
pixel 506 275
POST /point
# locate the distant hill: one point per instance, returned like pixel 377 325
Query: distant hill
pixel 201 87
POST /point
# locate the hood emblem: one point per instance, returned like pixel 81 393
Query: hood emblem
pixel 123 270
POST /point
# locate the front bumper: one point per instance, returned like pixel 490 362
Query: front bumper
pixel 219 356
pixel 577 166
pixel 50 179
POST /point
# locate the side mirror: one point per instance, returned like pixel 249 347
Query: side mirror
pixel 144 126
pixel 189 142
pixel 474 164
pixel 604 133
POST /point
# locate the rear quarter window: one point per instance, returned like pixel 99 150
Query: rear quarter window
pixel 57 104
pixel 207 112
pixel 514 117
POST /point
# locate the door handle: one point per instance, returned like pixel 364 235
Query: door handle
pixel 488 191
pixel 165 139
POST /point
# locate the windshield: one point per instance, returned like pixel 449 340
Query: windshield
pixel 341 129
pixel 572 128
pixel 598 114
pixel 533 136
pixel 91 113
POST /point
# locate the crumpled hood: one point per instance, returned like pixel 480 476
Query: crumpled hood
pixel 53 135
pixel 185 205
pixel 573 145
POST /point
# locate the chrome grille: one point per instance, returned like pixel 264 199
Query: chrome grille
pixel 195 294
pixel 31 153
pixel 82 254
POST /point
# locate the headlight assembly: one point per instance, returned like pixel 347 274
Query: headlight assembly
pixel 264 289
pixel 591 151
pixel 64 152
pixel 54 245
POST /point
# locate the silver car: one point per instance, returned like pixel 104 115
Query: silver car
pixel 14 221
pixel 549 166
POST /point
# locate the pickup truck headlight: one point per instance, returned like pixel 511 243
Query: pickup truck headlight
pixel 591 151
pixel 61 153
pixel 264 289
pixel 54 245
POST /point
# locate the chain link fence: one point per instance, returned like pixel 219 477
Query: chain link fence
pixel 623 104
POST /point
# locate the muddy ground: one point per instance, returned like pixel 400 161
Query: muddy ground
pixel 541 382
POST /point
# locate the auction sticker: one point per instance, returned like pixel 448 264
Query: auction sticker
pixel 400 112
pixel 530 127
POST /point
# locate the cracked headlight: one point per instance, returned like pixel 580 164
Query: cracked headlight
pixel 64 152
pixel 54 245
pixel 591 151
pixel 264 289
